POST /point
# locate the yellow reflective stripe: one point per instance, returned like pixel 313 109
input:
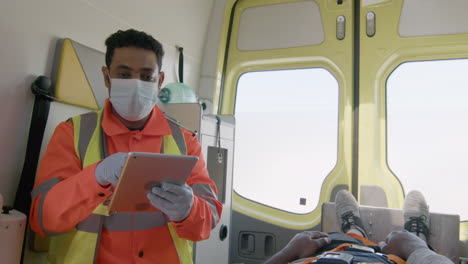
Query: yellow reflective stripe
pixel 88 144
pixel 184 247
pixel 178 137
pixel 170 146
pixel 80 244
pixel 102 210
pixel 74 247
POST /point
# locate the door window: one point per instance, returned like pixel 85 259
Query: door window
pixel 286 136
pixel 427 131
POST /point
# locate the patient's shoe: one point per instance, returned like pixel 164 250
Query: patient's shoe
pixel 416 214
pixel 347 213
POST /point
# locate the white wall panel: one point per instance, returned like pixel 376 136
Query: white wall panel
pixel 280 26
pixel 433 17
pixel 181 22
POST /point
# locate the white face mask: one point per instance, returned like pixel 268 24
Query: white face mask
pixel 133 99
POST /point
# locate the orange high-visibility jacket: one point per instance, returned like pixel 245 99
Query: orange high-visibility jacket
pixel 77 194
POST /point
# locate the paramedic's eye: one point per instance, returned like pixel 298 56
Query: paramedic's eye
pixel 124 75
pixel 148 78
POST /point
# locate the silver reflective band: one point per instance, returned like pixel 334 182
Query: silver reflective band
pixel 205 192
pixel 88 124
pixel 203 189
pixel 178 137
pixel 40 216
pixel 123 222
pixel 91 224
pixel 134 221
pixel 213 209
pixel 43 189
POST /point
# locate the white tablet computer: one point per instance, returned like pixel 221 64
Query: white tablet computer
pixel 141 172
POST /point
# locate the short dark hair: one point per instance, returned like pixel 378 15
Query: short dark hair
pixel 133 38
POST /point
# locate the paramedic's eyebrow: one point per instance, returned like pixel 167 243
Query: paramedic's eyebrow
pixel 124 67
pixel 147 69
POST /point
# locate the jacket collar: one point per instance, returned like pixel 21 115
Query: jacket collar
pixel 156 126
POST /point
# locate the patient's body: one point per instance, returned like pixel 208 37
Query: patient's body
pixel 352 246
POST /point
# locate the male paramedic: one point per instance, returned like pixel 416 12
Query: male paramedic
pixel 84 159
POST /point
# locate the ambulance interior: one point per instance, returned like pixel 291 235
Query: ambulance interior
pixel 282 125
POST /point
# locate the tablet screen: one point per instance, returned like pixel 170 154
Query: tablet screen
pixel 141 172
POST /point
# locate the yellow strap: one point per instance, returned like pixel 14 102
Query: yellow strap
pixel 93 152
pixel 76 132
pixel 74 247
pixel 184 247
pixel 170 146
pixel 102 210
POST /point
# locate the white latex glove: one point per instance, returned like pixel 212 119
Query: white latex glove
pixel 108 170
pixel 175 201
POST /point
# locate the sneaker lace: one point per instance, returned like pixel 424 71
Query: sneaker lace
pixel 417 224
pixel 348 220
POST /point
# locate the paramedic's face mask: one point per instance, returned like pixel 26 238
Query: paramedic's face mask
pixel 133 99
pixel 134 79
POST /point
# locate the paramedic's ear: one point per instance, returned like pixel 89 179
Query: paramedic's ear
pixel 106 74
pixel 161 80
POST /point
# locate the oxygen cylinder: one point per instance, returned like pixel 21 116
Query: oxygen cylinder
pixel 177 93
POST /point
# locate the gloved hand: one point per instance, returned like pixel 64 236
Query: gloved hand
pixel 173 200
pixel 108 170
